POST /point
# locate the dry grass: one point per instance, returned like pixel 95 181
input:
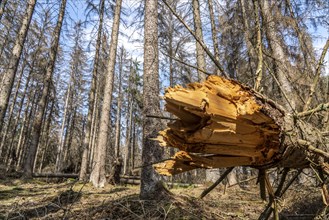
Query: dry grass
pixel 72 200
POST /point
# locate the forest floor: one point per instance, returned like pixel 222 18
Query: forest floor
pixel 39 199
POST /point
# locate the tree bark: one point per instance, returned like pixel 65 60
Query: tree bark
pixel 20 152
pixel 119 101
pixel 46 136
pixel 91 98
pixel 201 62
pixel 62 135
pixel 150 187
pixel 11 110
pixel 281 65
pixel 214 32
pixel 28 165
pixel 128 137
pixel 97 176
pixel 247 36
pixel 9 76
pixel 29 75
pixel 259 70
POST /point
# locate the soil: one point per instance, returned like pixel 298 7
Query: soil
pixel 69 199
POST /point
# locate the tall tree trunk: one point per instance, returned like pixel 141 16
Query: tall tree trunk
pixel 28 166
pixel 8 36
pixel 128 138
pixel 32 67
pixel 304 41
pixel 20 108
pixel 214 32
pixel 46 136
pixel 59 157
pixel 97 176
pixel 11 112
pixel 94 129
pixel 133 146
pixel 280 61
pixel 9 76
pixel 91 98
pixel 11 109
pixel 25 125
pixel 71 129
pixel 151 104
pixel 259 70
pixel 201 62
pixel 118 116
pixel 247 37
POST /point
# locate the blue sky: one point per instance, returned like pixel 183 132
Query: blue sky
pixel 76 9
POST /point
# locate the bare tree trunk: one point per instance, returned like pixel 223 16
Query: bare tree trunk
pixel 23 133
pixel 281 66
pixel 133 146
pixel 247 36
pixel 32 67
pixel 9 76
pixel 259 70
pixel 118 116
pixel 201 62
pixel 59 158
pixel 150 187
pixel 46 136
pixel 70 136
pixel 214 32
pixel 128 138
pixel 39 145
pixel 28 165
pixel 91 100
pixel 11 110
pixel 20 108
pixel 94 129
pixel 304 42
pixel 97 176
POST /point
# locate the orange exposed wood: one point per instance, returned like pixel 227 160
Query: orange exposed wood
pixel 220 124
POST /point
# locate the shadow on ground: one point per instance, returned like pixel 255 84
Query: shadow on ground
pixel 131 207
pixel 60 202
pixel 306 206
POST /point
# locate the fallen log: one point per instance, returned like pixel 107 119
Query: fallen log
pixel 55 175
pixel 124 179
pixel 222 123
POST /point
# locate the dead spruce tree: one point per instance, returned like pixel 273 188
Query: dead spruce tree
pixel 37 124
pixel 97 176
pixel 9 76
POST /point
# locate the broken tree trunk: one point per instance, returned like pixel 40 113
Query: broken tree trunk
pixel 221 123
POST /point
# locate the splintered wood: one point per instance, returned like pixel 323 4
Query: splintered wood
pixel 220 124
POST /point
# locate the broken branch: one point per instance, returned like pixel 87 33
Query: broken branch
pixel 221 178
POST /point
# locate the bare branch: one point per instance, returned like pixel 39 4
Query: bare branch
pixel 317 76
pixel 187 64
pixel 221 178
pixel 321 107
pixel 313 149
pixel 219 66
